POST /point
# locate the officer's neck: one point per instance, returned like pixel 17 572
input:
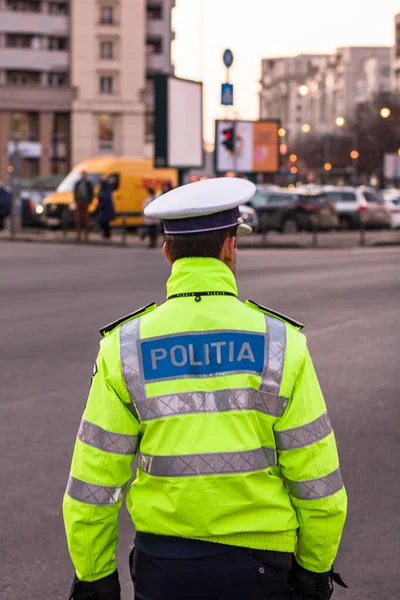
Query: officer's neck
pixel 200 275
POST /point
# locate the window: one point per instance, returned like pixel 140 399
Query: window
pixel 107 50
pixel 24 5
pixel 58 8
pixel 149 123
pixel 106 131
pixel 14 40
pixel 25 126
pixel 154 13
pixel 57 43
pixel 23 77
pixel 107 15
pixel 106 84
pixel 57 79
pixel 386 71
pixel 154 46
pixel 341 196
pixel 114 181
pixel 259 200
pixel 373 197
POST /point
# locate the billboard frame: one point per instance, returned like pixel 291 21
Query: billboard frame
pixel 161 125
pixel 234 121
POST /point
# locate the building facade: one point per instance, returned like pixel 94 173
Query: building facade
pixel 396 55
pixel 76 79
pixel 35 87
pixel 309 92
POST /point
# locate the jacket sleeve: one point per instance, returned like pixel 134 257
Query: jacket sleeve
pixel 309 465
pixel 101 469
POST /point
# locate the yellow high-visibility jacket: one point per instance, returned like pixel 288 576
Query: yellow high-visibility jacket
pixel 220 402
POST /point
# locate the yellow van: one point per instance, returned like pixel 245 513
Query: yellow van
pixel 129 179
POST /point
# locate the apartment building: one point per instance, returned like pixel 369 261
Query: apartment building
pixel 283 93
pixel 35 87
pixel 396 55
pixel 159 37
pixel 309 92
pixel 76 79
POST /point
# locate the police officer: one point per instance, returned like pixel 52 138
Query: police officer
pixel 238 491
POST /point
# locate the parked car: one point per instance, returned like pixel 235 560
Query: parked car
pixel 249 216
pixel 290 211
pixel 356 205
pixel 5 204
pixel 32 207
pixel 392 197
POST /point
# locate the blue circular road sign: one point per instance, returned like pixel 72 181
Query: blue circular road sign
pixel 228 58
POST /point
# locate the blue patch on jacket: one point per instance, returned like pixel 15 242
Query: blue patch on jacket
pixel 202 355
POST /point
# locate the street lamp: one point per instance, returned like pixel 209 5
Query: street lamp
pixel 293 158
pixel 340 121
pixel 354 154
pixel 303 90
pixel 306 128
pixel 281 132
pixel 283 149
pixel 327 166
pixel 293 170
pixel 385 113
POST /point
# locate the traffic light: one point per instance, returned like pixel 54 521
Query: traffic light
pixel 229 139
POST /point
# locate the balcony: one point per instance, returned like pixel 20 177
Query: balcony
pixel 33 98
pixel 158 28
pixel 35 23
pixel 158 63
pixel 38 60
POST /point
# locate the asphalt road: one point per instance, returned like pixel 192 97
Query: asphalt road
pixel 54 298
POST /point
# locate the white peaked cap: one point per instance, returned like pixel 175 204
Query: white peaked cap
pixel 203 206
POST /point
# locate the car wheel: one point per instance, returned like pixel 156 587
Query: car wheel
pixel 345 224
pixel 290 226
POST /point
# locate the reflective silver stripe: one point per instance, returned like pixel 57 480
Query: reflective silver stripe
pixel 216 463
pixel 101 495
pixel 108 441
pixel 308 434
pixel 129 338
pixel 210 402
pixel 275 353
pixel 315 489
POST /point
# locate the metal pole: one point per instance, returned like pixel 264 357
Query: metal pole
pixel 314 233
pixel 15 183
pixel 124 229
pixel 362 230
pixel 326 156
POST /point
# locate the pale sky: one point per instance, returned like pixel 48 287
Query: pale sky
pixel 255 29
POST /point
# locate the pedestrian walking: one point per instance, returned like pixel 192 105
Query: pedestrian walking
pixel 105 208
pixel 238 492
pixel 152 225
pixel 83 196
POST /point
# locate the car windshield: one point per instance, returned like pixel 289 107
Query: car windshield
pixel 341 196
pixel 71 180
pixel 314 199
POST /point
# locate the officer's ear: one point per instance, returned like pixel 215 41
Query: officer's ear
pixel 166 253
pixel 228 251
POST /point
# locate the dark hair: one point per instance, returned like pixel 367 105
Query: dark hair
pixel 150 191
pixel 198 245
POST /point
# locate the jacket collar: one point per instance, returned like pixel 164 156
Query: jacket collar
pixel 200 275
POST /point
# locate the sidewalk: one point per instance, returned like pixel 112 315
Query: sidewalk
pixel 334 239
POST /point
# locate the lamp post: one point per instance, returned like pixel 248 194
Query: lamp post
pixel 354 154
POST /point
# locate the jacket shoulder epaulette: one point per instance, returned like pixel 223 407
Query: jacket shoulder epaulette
pixel 134 315
pixel 275 314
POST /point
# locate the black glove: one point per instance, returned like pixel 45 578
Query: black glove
pixel 107 588
pixel 308 585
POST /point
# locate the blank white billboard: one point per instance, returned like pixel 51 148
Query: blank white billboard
pixel 185 123
pixel 179 123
